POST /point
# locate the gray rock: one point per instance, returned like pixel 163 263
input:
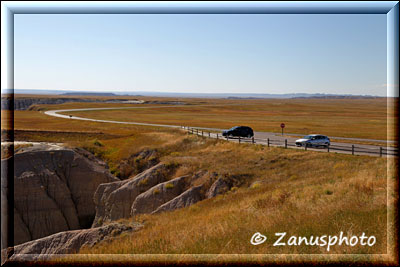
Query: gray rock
pixel 114 200
pixel 150 200
pixel 187 198
pixel 68 242
pixel 220 186
pixel 53 192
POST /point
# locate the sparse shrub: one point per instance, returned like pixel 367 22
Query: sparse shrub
pixel 169 186
pixel 234 188
pixel 175 154
pixel 172 165
pixel 194 208
pixel 143 181
pixel 97 143
pixel 115 172
pixel 328 192
pixel 255 185
pixel 156 191
pixel 152 158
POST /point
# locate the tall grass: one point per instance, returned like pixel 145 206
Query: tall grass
pixel 301 193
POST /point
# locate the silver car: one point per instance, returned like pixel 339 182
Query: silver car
pixel 314 140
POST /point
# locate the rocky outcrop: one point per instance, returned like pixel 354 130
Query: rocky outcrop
pixel 150 200
pixel 187 198
pixel 138 162
pixel 53 191
pixel 226 182
pixel 220 186
pixel 24 103
pixel 68 242
pixel 114 200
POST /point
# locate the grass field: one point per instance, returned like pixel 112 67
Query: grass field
pixel 356 118
pixel 298 193
pixel 303 193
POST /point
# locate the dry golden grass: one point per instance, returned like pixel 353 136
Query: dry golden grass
pixel 298 192
pixel 357 118
pixel 301 193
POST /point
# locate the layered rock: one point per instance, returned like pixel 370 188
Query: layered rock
pixel 114 200
pixel 25 103
pixel 68 242
pixel 153 198
pixel 220 186
pixel 187 198
pixel 137 163
pixel 53 191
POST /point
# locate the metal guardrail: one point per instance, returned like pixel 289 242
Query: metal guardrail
pixel 392 151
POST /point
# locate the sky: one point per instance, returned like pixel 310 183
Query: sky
pixel 202 53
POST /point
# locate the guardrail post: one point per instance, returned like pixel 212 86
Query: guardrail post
pixel 268 142
pixel 197 131
pixel 209 134
pixel 192 130
pixel 202 133
pixel 285 143
pixel 217 136
pixel 352 149
pixel 227 137
pixel 305 147
pixel 252 139
pixel 380 151
pixel 239 139
pixel 328 148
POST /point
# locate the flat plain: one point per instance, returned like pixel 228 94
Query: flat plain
pixel 279 190
pixel 354 118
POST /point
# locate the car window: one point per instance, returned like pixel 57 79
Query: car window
pixel 307 137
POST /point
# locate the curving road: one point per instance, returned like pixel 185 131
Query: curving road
pixel 260 137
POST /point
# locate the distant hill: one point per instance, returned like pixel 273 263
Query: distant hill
pixel 186 95
pixel 90 94
pixel 341 97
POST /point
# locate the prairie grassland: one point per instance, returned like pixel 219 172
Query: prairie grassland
pixel 120 141
pixel 356 118
pixel 279 190
pixel 303 194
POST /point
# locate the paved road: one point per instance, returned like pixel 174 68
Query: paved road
pixel 260 137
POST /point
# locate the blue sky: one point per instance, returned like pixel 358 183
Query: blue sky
pixel 340 54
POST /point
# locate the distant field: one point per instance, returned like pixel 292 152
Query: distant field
pixel 356 118
pixel 300 192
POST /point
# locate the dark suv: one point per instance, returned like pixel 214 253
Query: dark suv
pixel 242 131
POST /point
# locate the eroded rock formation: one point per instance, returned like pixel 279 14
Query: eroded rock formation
pixel 114 200
pixel 53 191
pixel 68 242
pixel 187 198
pixel 150 200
